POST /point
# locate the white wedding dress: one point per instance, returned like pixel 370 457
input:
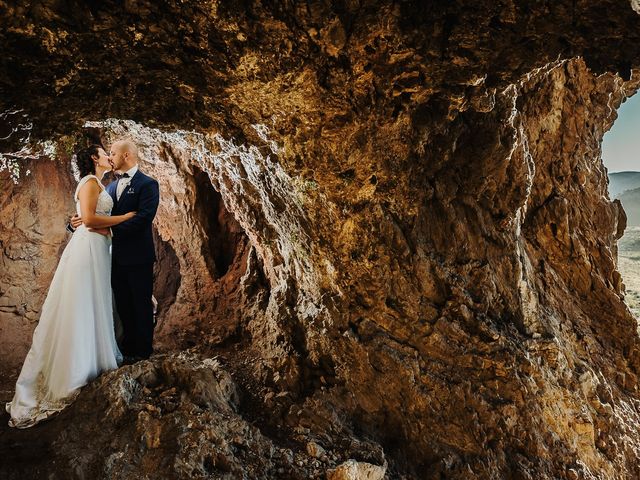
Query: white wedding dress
pixel 74 340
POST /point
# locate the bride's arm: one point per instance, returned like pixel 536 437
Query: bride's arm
pixel 88 196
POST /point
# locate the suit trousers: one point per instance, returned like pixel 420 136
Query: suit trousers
pixel 132 288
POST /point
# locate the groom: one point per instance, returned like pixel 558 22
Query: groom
pixel 133 252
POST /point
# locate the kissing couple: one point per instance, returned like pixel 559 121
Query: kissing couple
pixel 110 257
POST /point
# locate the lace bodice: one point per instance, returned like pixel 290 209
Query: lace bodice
pixel 105 202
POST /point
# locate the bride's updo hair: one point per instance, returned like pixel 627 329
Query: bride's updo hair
pixel 84 161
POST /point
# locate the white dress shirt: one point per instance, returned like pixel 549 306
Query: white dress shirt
pixel 124 181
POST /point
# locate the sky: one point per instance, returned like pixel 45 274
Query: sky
pixel 621 144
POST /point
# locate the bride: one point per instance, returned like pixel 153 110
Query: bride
pixel 74 340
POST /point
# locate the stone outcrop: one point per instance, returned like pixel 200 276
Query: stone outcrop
pixel 388 223
pixel 185 416
pixel 352 470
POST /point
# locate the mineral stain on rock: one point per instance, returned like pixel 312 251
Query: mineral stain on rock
pixel 386 244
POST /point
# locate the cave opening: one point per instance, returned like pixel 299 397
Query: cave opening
pixel 203 252
pixel 225 238
pixel 620 147
pixel 166 273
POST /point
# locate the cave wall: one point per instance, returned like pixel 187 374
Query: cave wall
pixel 192 291
pixel 425 260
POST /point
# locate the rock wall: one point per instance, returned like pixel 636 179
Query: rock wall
pixel 200 262
pixel 388 223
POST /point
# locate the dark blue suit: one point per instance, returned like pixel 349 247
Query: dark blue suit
pixel 133 255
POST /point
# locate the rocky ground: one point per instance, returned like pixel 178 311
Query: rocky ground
pixel 385 235
pixel 180 416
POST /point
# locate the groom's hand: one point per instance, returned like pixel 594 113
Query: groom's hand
pixel 102 231
pixel 76 221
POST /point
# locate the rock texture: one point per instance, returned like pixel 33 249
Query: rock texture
pixel 184 414
pixel 387 222
pixel 353 470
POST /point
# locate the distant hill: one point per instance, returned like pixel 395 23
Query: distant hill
pixel 621 181
pixel 630 200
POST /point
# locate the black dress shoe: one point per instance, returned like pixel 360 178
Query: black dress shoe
pixel 125 360
pixel 130 359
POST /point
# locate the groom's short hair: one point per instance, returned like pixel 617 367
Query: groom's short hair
pixel 128 145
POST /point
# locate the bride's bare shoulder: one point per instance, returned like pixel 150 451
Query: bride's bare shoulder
pixel 89 184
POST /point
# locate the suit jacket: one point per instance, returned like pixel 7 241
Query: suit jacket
pixel 132 242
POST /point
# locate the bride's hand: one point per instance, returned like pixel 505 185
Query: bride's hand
pixel 130 215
